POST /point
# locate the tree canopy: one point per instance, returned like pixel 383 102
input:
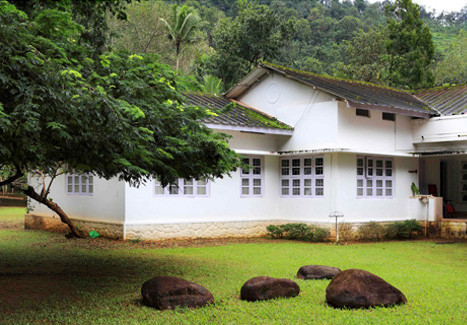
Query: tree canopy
pixel 182 27
pixel 118 115
pixel 409 47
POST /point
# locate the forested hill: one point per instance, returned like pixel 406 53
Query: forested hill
pixel 350 39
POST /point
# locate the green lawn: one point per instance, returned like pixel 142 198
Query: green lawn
pixel 45 278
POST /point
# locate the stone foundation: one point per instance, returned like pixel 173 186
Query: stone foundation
pixel 445 229
pixel 54 224
pixel 199 230
pixel 448 228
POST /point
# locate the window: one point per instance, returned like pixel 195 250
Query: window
pixel 183 187
pixel 302 177
pixel 79 184
pixel 362 112
pixel 252 178
pixel 389 116
pixel 375 177
pixel 463 184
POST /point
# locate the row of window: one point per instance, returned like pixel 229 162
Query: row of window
pixel 299 177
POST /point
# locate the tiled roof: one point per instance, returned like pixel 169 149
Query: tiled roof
pixel 238 115
pixel 448 100
pixel 357 91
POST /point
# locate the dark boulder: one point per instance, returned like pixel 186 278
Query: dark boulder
pixel 168 292
pixel 361 289
pixel 316 272
pixel 264 288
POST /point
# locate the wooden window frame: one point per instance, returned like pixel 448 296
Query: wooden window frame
pixel 252 175
pixel 375 177
pixel 85 183
pixel 301 177
pixel 182 187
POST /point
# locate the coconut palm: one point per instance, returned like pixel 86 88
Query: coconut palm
pixel 184 23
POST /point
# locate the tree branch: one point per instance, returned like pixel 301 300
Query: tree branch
pixel 13 178
pixel 54 207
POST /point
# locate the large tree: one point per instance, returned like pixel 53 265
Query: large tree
pixel 182 27
pixel 256 34
pixel 409 47
pixel 117 116
pixel 364 56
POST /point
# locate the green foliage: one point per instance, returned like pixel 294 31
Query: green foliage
pixel 371 231
pixel 182 27
pixel 212 85
pixel 256 34
pixel 453 69
pixel 312 65
pixel 364 56
pixel 114 115
pixel 298 231
pixel 409 47
pixel 403 230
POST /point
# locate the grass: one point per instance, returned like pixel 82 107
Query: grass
pixel 45 278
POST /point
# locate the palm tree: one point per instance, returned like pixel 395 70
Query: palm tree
pixel 183 26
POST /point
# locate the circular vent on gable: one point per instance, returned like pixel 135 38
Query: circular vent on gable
pixel 273 93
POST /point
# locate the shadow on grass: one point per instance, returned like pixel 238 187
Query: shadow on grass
pixel 47 275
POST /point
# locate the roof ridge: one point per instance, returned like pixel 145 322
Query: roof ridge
pixel 438 88
pixel 364 83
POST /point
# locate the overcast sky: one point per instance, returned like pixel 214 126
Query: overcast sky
pixel 439 5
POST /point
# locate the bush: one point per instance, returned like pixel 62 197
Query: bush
pixel 403 230
pixel 298 231
pixel 275 231
pixel 371 231
pixel 320 234
pixel 346 232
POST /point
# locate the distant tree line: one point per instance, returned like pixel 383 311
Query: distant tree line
pixel 350 39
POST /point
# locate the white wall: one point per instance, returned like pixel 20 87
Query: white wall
pixel 254 141
pixel 312 209
pixel 441 132
pixel 320 121
pixel 107 204
pixel 223 204
pixel 283 98
pixel 373 133
pixel 372 209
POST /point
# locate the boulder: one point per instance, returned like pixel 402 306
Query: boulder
pixel 361 289
pixel 316 272
pixel 264 288
pixel 168 292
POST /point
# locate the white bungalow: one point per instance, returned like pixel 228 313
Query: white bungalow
pixel 316 144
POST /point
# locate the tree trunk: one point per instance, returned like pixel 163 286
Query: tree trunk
pixel 75 232
pixel 178 55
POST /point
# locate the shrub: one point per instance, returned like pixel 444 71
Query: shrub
pixel 403 230
pixel 320 234
pixel 298 231
pixel 371 231
pixel 346 232
pixel 274 231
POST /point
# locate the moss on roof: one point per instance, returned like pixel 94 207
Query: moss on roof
pixel 358 92
pixel 238 114
pixel 311 74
